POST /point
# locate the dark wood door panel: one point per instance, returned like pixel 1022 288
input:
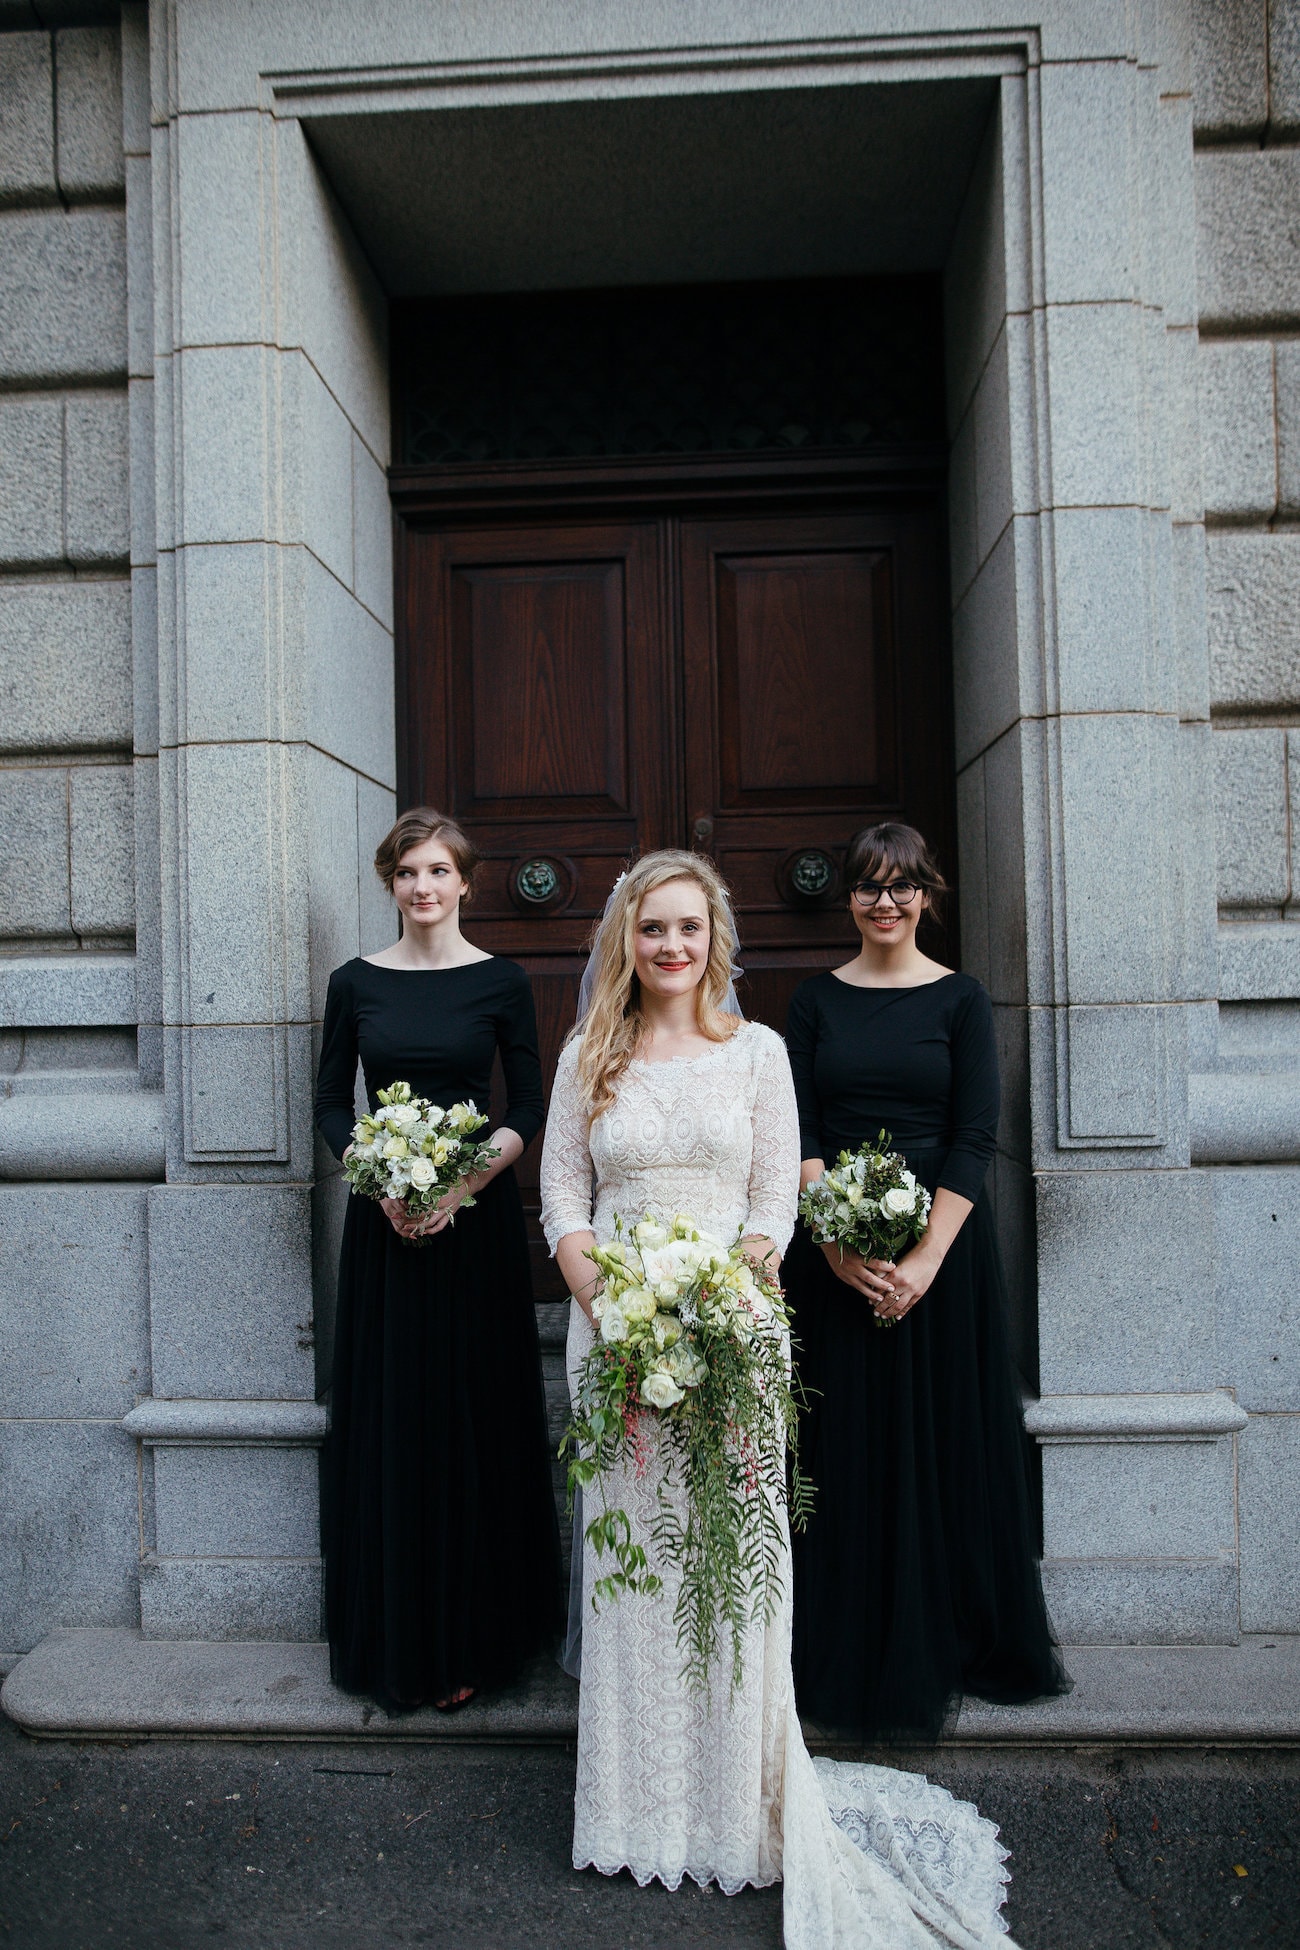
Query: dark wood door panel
pixel 542 644
pixel 541 674
pixel 804 697
pixel 540 679
pixel 815 673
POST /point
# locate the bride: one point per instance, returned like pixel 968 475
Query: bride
pixel 665 1102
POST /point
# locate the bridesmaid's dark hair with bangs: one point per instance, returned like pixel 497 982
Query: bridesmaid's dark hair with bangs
pixel 893 847
pixel 413 827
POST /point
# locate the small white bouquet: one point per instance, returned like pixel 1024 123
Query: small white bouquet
pixel 695 1337
pixel 868 1201
pixel 415 1151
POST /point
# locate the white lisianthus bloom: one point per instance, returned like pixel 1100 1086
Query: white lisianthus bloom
pixel 423 1175
pixel 464 1117
pixel 613 1322
pixel 898 1202
pixel 666 1331
pixel 686 1365
pixel 649 1233
pixel 395 1147
pixel 854 1194
pixel 844 1210
pixel 402 1116
pixel 441 1151
pixel 660 1390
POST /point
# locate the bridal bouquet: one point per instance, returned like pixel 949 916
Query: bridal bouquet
pixel 870 1202
pixel 694 1335
pixel 413 1150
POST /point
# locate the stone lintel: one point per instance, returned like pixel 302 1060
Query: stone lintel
pixel 1259 961
pixel 67 992
pixel 83 1135
pixel 1128 1418
pixel 1244 1119
pixel 156 1421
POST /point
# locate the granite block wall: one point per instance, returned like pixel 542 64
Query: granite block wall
pixel 77 1101
pixel 1246 85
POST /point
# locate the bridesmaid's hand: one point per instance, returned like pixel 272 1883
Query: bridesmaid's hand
pixel 871 1281
pixel 399 1218
pixel 910 1280
pixel 443 1212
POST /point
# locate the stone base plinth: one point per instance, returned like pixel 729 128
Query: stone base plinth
pixel 115 1684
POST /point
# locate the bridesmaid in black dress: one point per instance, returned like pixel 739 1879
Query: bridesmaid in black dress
pixel 916 1580
pixel 441 1547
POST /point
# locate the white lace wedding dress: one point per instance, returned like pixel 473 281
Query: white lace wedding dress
pixel 726 1791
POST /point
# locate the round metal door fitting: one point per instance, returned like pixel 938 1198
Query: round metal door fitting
pixel 808 878
pixel 541 884
pixel 537 881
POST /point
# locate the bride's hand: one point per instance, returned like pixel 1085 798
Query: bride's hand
pixel 872 1280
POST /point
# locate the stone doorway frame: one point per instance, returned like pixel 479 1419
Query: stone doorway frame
pixel 1078 676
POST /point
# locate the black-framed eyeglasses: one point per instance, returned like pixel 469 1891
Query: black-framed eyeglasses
pixel 901 892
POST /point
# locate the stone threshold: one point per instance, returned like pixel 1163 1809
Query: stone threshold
pixel 114 1684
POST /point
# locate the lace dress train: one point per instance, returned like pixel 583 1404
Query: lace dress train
pixel 724 1790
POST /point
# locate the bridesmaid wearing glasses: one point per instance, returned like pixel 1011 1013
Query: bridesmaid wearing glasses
pixel 916 1581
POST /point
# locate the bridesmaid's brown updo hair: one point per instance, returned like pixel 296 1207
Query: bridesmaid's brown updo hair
pixel 413 828
pixel 892 847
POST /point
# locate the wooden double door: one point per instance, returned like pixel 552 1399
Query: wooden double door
pixel 752 682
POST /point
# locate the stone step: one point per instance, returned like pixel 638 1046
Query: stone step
pixel 110 1684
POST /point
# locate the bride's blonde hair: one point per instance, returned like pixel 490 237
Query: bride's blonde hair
pixel 614 1023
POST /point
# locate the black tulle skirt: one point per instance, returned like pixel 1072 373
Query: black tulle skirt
pixel 917 1580
pixel 442 1561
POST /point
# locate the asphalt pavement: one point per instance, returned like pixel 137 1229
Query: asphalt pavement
pixel 280 1846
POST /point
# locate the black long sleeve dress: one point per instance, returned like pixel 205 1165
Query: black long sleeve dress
pixel 442 1564
pixel 916 1580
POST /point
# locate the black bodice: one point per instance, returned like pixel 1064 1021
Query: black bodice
pixel 921 1063
pixel 437 1029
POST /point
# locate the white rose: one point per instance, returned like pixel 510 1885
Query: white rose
pixel 666 1331
pixel 613 1323
pixel 670 1263
pixel 898 1202
pixel 423 1175
pixel 660 1390
pixel 648 1232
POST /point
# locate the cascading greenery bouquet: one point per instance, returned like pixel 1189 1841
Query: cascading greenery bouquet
pixel 868 1201
pixel 414 1150
pixel 693 1337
